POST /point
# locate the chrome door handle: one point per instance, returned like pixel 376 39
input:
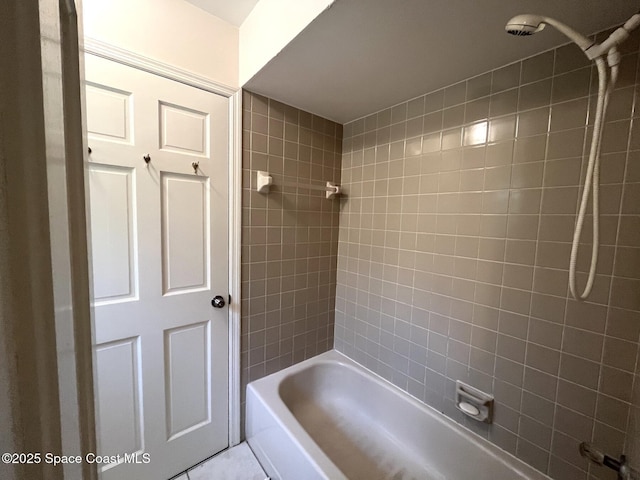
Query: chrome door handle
pixel 217 302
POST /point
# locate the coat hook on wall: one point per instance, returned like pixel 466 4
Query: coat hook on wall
pixel 147 158
pixel 195 166
pixel 264 181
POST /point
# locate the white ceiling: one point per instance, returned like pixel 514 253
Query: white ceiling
pixel 231 11
pixel 360 56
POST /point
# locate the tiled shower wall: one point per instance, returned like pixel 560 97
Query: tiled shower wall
pixel 453 257
pixel 289 236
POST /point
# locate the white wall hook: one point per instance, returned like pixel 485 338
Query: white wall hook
pixel 264 181
pixel 336 190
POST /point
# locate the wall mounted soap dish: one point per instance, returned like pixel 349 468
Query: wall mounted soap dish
pixel 474 403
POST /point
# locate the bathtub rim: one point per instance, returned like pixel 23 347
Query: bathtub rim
pixel 269 387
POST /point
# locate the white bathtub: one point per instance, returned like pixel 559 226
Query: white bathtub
pixel 330 418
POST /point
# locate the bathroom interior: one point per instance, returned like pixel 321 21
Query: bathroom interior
pixel 451 243
pixel 411 182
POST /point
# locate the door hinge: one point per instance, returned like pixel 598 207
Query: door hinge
pixel 229 300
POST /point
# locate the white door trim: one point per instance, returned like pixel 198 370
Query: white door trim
pixel 141 62
pixel 235 230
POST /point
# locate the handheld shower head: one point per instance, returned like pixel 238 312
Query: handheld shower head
pixel 523 25
pixel 528 24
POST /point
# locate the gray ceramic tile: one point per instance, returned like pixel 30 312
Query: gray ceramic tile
pixel 565 144
pixel 530 149
pixel 571 114
pixel 506 77
pixel 583 344
pixel 455 94
pixel 479 86
pixel 503 103
pixel 537 67
pixel 534 122
pixel 535 432
pixel 545 333
pixel 534 95
pixel 532 454
pixel 612 412
pixel 537 408
pixel 567 60
pixel 571 85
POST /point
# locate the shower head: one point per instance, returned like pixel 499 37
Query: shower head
pixel 523 25
pixel 528 24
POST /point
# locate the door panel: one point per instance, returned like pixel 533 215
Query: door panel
pixel 115 107
pixel 185 238
pixel 118 370
pixel 159 234
pixel 188 359
pixel 183 130
pixel 114 233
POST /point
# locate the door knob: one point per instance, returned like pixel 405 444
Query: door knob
pixel 217 302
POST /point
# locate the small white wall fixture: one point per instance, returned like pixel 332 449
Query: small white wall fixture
pixel 263 181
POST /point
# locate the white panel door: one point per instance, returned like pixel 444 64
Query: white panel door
pixel 160 255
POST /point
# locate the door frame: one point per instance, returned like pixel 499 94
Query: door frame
pixel 45 352
pixel 150 65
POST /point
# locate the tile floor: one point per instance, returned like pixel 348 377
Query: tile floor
pixel 237 463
